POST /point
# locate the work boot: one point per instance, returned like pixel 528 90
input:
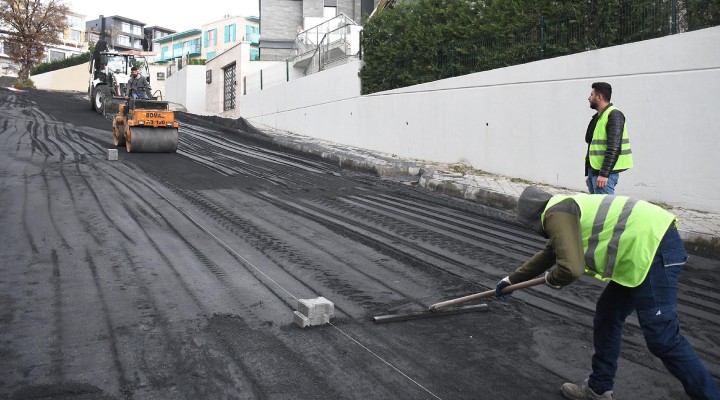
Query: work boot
pixel 578 392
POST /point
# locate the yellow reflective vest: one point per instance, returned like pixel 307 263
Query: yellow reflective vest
pixel 598 145
pixel 620 235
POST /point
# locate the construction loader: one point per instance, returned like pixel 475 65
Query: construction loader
pixel 109 73
pixel 141 125
pixel 145 125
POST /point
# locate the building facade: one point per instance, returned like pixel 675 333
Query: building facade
pixel 72 40
pixel 8 67
pixel 121 33
pixel 220 36
pixel 153 33
pixel 171 47
pixel 284 22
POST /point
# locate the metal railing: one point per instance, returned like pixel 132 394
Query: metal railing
pixel 335 45
pixel 281 72
pixel 324 45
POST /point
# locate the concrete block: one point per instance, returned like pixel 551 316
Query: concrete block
pixel 313 312
pixel 300 320
pixel 112 154
pixel 303 321
pixel 315 307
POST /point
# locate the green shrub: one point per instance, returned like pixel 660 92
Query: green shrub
pixel 83 58
pixel 420 41
pixel 28 84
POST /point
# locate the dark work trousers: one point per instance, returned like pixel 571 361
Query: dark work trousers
pixel 655 301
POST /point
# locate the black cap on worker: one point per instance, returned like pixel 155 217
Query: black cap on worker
pixel 531 205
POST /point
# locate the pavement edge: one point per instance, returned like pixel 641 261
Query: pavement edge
pixel 387 166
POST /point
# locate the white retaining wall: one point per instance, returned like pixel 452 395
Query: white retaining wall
pixel 187 87
pixel 74 78
pixel 529 121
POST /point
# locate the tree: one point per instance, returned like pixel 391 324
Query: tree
pixel 33 24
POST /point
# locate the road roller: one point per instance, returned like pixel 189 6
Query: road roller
pixel 145 125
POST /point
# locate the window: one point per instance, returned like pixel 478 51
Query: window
pixel 123 40
pixel 329 12
pixel 136 30
pixel 74 22
pixel 56 55
pixel 252 34
pixel 177 50
pixel 210 38
pixel 254 54
pixel 210 55
pixel 165 52
pixel 75 35
pixel 194 46
pixel 230 33
pixel 125 27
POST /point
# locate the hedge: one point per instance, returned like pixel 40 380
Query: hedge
pixel 72 61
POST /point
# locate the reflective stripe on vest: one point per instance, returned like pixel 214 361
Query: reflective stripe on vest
pixel 620 235
pixel 598 145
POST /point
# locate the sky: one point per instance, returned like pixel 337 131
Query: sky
pixel 176 15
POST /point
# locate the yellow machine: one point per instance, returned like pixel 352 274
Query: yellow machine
pixel 146 126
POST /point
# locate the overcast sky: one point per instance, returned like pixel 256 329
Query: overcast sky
pixel 176 15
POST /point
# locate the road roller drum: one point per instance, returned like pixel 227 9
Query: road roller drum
pixel 145 126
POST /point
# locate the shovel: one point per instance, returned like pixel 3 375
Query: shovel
pixel 438 309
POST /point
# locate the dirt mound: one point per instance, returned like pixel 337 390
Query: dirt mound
pixel 226 124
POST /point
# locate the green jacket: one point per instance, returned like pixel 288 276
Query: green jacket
pixel 578 245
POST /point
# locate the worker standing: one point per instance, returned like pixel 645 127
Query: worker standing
pixel 608 151
pixel 632 245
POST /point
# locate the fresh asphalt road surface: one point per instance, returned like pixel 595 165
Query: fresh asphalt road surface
pixel 175 276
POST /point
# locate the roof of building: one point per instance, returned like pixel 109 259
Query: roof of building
pixel 178 36
pixel 120 17
pixel 160 28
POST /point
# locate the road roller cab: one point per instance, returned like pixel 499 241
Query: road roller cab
pixel 143 125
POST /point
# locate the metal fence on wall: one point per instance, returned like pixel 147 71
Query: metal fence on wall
pixel 270 76
pixel 546 37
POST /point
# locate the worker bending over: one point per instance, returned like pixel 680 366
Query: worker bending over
pixel 632 245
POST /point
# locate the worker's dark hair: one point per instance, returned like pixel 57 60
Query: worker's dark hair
pixel 135 69
pixel 604 89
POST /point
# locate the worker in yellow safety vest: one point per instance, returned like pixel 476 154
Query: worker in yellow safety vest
pixel 632 245
pixel 608 151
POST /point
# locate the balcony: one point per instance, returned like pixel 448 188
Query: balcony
pixel 192 49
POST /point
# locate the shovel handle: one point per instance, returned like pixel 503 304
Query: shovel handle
pixel 486 294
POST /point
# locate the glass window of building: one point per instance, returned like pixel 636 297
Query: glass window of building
pixel 329 12
pixel 56 55
pixel 123 40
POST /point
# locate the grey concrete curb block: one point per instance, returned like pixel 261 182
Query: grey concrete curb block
pixel 487 197
pixel 701 244
pixel 698 243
